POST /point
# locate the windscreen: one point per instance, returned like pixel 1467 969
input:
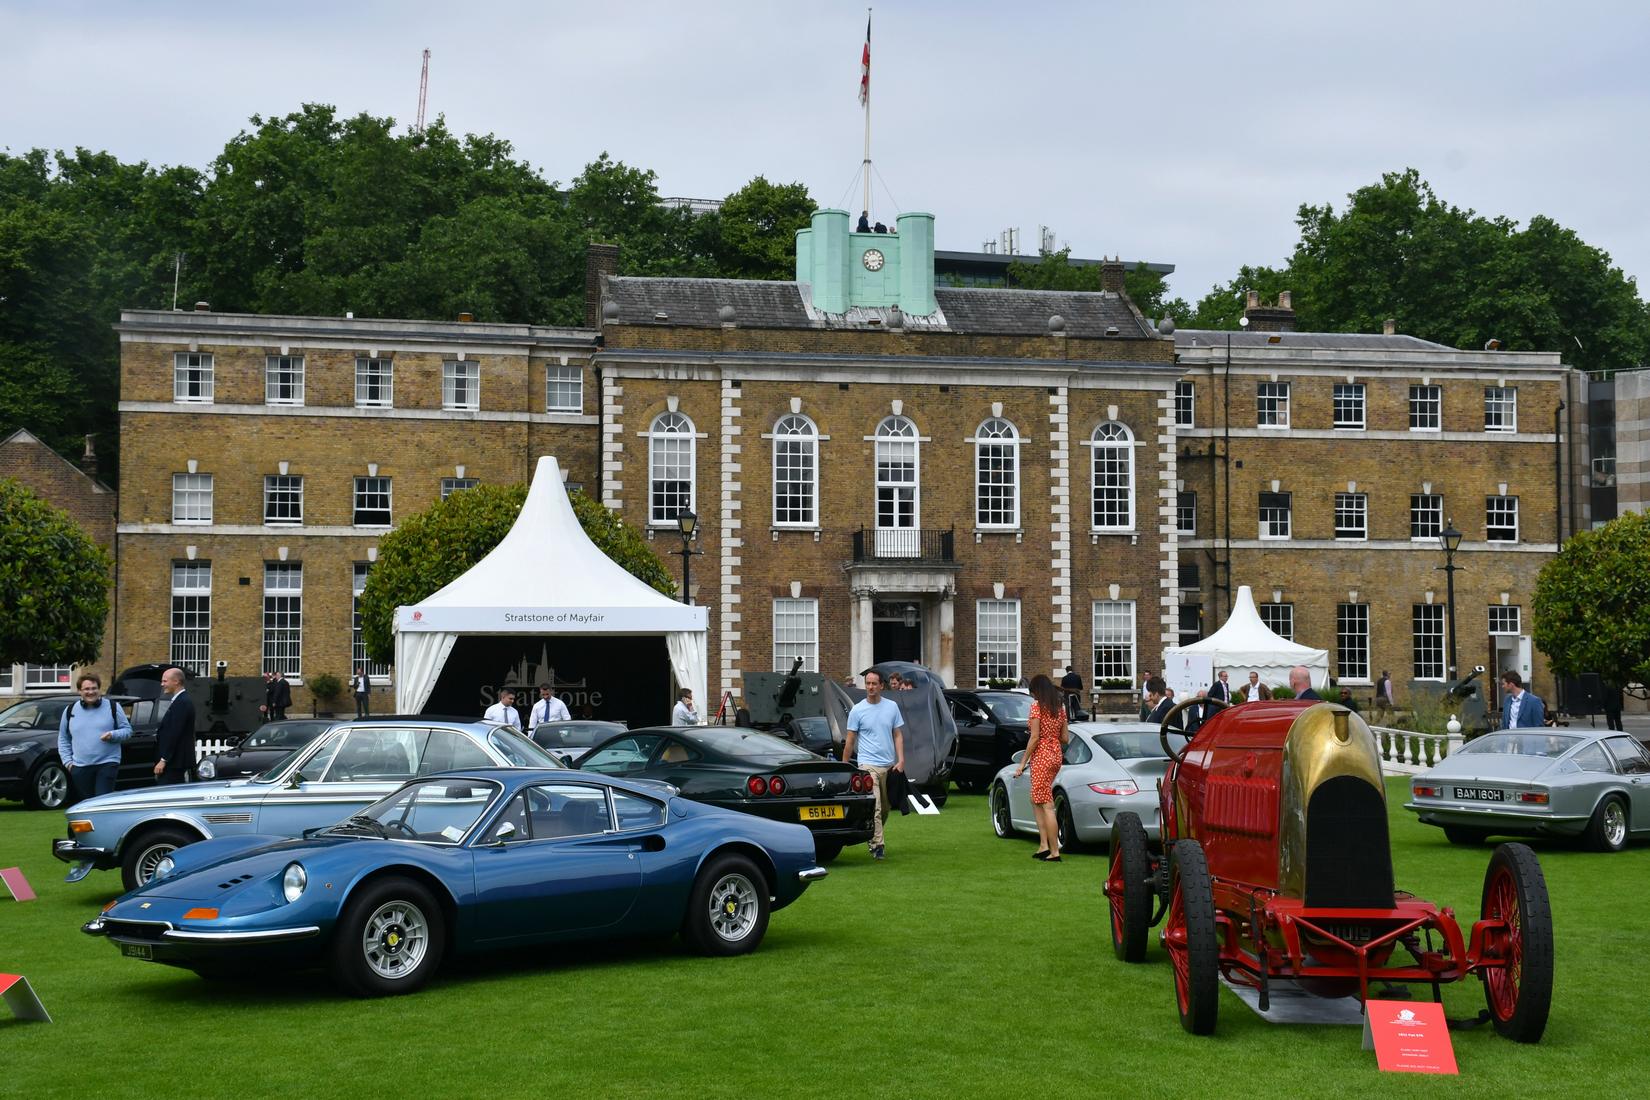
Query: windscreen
pixel 745 744
pixel 1522 744
pixel 1009 709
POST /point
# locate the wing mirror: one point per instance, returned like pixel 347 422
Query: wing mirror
pixel 295 780
pixel 503 833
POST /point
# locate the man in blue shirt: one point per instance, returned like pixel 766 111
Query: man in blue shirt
pixel 89 738
pixel 876 727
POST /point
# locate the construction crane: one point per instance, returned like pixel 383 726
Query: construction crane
pixel 423 92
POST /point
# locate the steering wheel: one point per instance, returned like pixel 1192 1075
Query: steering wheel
pixel 1163 731
pixel 401 827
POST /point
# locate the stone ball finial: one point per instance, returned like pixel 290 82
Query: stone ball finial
pixel 896 318
pixel 1166 326
pixel 725 315
pixel 610 310
pixel 1056 323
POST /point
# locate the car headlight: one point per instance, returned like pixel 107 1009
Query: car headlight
pixel 206 769
pixel 20 747
pixel 293 881
pixel 165 867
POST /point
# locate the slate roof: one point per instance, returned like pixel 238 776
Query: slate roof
pixel 1320 341
pixel 697 303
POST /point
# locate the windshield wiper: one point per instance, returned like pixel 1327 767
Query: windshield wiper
pixel 371 824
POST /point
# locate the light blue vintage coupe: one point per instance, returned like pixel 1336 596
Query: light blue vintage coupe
pixel 480 859
pixel 349 768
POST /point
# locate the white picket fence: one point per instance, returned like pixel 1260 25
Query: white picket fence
pixel 1405 752
pixel 211 746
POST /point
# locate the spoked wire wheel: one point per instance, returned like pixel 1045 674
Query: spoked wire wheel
pixel 1189 938
pixel 1519 992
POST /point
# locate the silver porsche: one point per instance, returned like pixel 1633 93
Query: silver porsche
pixel 1539 782
pixel 1109 767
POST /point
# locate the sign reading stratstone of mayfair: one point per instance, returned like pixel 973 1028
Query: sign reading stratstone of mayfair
pixel 550 620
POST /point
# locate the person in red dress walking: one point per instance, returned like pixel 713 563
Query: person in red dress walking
pixel 1045 752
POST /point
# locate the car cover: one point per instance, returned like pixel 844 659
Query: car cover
pixel 930 731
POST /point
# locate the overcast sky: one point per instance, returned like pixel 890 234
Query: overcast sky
pixel 1185 133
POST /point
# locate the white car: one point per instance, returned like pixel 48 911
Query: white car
pixel 1109 767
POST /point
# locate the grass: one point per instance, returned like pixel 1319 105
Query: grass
pixel 959 967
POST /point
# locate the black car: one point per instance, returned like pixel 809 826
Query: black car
pixel 813 734
pixel 751 771
pixel 30 768
pixel 262 749
pixel 991 727
pixel 571 739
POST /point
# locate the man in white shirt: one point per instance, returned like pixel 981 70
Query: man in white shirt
pixel 683 714
pixel 504 711
pixel 547 709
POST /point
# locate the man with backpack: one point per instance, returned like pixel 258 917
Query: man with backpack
pixel 89 738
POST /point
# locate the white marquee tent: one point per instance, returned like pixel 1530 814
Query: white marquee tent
pixel 1244 644
pixel 546 578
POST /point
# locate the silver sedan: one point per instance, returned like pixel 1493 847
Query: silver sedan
pixel 1109 767
pixel 1539 782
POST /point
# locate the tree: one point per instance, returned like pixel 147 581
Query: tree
pixel 757 229
pixel 54 584
pixel 1592 603
pixel 1396 250
pixel 430 550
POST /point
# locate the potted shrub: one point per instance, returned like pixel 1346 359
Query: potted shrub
pixel 325 689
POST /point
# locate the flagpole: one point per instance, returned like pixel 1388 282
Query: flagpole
pixel 865 167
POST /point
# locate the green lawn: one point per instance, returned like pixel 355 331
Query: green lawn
pixel 960 967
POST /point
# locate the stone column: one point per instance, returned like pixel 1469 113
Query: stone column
pixel 860 630
pixel 946 659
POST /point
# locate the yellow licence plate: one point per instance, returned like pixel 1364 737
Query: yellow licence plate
pixel 822 813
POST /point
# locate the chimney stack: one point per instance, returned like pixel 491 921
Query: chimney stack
pixel 599 260
pixel 1389 327
pixel 1279 317
pixel 88 460
pixel 1111 276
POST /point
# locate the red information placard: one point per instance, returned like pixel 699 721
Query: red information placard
pixel 16 883
pixel 1409 1036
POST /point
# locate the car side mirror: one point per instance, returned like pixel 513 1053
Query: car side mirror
pixel 504 832
pixel 295 780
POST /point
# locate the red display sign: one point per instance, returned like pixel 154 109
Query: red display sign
pixel 1409 1037
pixel 16 883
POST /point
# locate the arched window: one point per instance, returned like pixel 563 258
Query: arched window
pixel 669 468
pixel 795 472
pixel 898 483
pixel 996 474
pixel 1113 478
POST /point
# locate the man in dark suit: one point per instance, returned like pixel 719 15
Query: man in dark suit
pixel 1300 682
pixel 175 737
pixel 1520 709
pixel 281 696
pixel 1221 690
pixel 1157 699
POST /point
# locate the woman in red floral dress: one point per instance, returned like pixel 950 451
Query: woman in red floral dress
pixel 1045 752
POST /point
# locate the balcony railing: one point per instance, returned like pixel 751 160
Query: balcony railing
pixel 905 544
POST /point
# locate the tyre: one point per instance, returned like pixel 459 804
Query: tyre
pixel 1065 827
pixel 728 909
pixel 147 849
pixel 1002 823
pixel 827 850
pixel 1467 838
pixel 1129 888
pixel 389 939
pixel 1607 829
pixel 1189 937
pixel 47 787
pixel 1518 992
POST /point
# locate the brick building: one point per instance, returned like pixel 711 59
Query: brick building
pixel 995 482
pixel 91 504
pixel 1321 469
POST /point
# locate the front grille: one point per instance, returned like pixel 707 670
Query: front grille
pixel 150 931
pixel 1348 857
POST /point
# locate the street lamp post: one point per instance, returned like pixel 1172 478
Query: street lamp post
pixel 686 521
pixel 1450 539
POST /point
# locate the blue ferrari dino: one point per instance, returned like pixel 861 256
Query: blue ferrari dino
pixel 465 861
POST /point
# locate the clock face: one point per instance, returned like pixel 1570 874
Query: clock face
pixel 872 259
